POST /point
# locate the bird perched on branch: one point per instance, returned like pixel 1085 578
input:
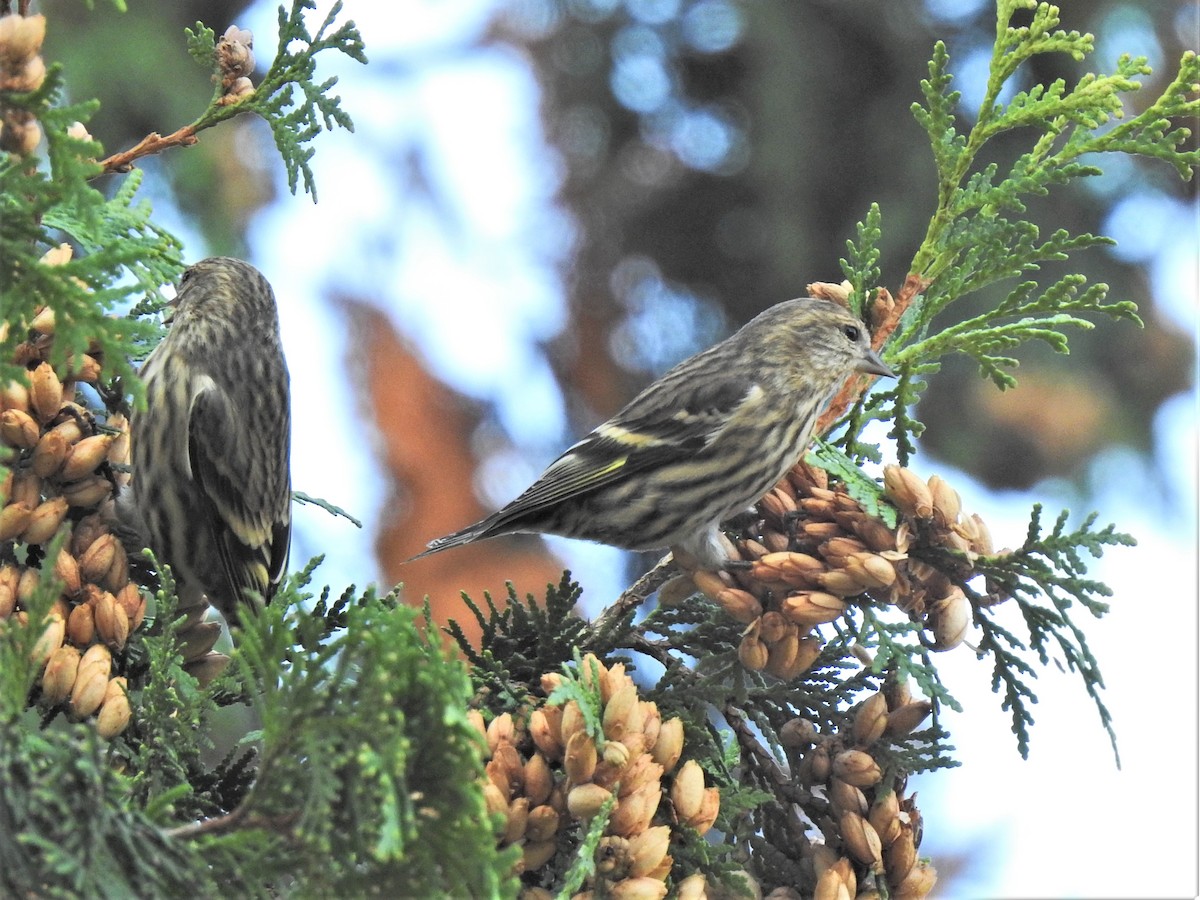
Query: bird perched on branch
pixel 211 491
pixel 704 441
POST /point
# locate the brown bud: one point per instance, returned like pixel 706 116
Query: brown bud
pixel 687 792
pixel 917 884
pixel 910 493
pixel 97 559
pixel 572 721
pixel 710 806
pixel 50 640
pixel 81 625
pixel 112 625
pixel 634 811
pixel 793 656
pixel 516 820
pixel 207 668
pixel 585 800
pixel 44 521
pixel 797 569
pixel 950 617
pixel 676 590
pixel 114 711
pixel 870 720
pixel 49 454
pixel 8 601
pixel 742 606
pixel 27 585
pixel 59 677
pixel 904 720
pixel 875 534
pixel 831 887
pixel 130 599
pixel 18 429
pixel 946 502
pixel 797 734
pixel 753 653
pixel 773 626
pixel 86 456
pixel 647 849
pixel 580 758
pixel 197 640
pixel 901 855
pixel 694 887
pixel 534 855
pixel 494 800
pixel 14 519
pixel 861 840
pixel 45 392
pixel 85 368
pixel 619 710
pixel 872 569
pixel 846 797
pixel 857 768
pixel 642 888
pixel 66 570
pixel 669 746
pixel 543 736
pixel 14 395
pixel 808 609
pixel 21 37
pixel 87 492
pixel 885 817
pixel 88 691
pixel 500 730
pixel 542 824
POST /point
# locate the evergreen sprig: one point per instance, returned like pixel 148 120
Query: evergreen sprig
pixel 1047 567
pixel 127 257
pixel 294 121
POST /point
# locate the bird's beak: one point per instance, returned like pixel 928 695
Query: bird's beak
pixel 873 365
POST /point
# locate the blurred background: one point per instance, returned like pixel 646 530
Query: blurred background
pixel 546 203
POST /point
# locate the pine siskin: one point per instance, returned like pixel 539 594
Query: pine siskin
pixel 211 492
pixel 704 441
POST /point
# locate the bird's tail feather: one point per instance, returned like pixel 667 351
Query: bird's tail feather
pixel 457 539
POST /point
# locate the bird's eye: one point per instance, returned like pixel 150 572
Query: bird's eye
pixel 851 332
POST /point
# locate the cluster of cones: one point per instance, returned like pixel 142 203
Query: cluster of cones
pixel 549 775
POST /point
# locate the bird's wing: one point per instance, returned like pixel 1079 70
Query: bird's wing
pixel 644 435
pixel 247 511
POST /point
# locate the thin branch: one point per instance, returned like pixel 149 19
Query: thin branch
pixel 148 146
pixel 635 595
pixel 232 820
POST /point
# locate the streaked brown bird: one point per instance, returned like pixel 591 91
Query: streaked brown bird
pixel 211 490
pixel 704 441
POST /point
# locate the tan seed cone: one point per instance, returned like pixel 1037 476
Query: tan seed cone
pixel 638 889
pixel 861 840
pixel 857 768
pixel 86 456
pixel 585 800
pixel 687 792
pixel 44 521
pixel 49 454
pixel 580 758
pixel 542 824
pixel 669 746
pixel 59 677
pixel 870 720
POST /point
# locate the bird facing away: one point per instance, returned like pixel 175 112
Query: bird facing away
pixel 704 441
pixel 211 490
